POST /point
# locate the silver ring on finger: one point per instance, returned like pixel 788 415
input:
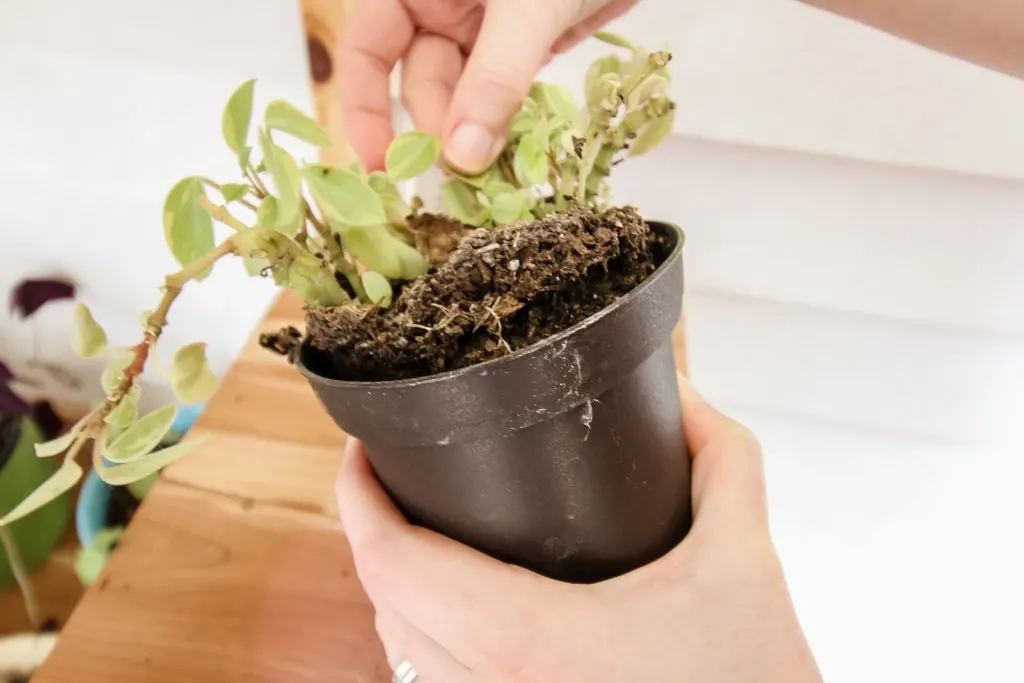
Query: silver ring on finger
pixel 404 673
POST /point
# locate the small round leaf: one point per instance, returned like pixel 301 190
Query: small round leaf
pixel 530 162
pixel 411 154
pixel 346 198
pixel 377 288
pixel 192 379
pixel 125 474
pixel 237 117
pixel 115 367
pixel 188 229
pixel 89 338
pixel 143 436
pixel 282 116
pixel 287 181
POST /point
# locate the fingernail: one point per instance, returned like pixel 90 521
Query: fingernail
pixel 472 146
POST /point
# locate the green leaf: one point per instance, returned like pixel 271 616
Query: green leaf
pixel 512 206
pixel 55 446
pixel 459 200
pixel 282 116
pixel 233 191
pixel 653 134
pixel 143 436
pixel 141 488
pixel 125 474
pixel 188 229
pixel 243 158
pixel 89 338
pixel 346 198
pixel 90 561
pixel 411 154
pixel 59 483
pixel 654 86
pixel 530 163
pixel 192 379
pixel 255 266
pixel 498 187
pixel 126 411
pixel 311 279
pixel 395 207
pixel 525 119
pixel 377 288
pixel 266 217
pixel 559 101
pixel 378 250
pixel 115 367
pixel 287 181
pixel 615 40
pixel 237 116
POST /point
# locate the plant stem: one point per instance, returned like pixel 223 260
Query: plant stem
pixel 21 577
pixel 221 215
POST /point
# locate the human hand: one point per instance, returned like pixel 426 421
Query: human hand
pixel 715 609
pixel 466 67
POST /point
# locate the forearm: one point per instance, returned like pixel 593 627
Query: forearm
pixel 987 32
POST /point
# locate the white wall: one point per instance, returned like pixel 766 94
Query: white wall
pixel 861 307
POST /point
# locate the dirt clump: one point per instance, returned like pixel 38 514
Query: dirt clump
pixel 495 291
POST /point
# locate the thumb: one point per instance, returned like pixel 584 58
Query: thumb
pixel 515 41
pixel 728 473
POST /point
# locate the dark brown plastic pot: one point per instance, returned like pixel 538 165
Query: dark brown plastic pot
pixel 566 457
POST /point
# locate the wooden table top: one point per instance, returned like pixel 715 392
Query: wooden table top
pixel 235 567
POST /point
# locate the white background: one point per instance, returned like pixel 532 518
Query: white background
pixel 855 245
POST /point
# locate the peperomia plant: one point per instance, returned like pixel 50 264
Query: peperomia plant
pixel 339 236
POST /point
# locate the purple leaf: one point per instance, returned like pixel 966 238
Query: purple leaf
pixel 11 403
pixel 5 373
pixel 48 421
pixel 31 295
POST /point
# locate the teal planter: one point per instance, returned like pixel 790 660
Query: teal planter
pixel 38 534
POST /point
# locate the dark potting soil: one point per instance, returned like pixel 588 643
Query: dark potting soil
pixel 121 508
pixel 495 291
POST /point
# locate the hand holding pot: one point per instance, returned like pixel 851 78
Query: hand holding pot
pixel 714 609
pixel 466 66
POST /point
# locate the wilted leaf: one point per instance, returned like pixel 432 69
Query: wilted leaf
pixel 411 154
pixel 459 200
pixel 188 229
pixel 377 288
pixel 287 181
pixel 89 338
pixel 143 436
pixel 530 163
pixel 653 134
pixel 652 87
pixel 282 116
pixel 60 482
pixel 311 279
pixel 233 191
pixel 124 474
pixel 237 116
pixel 378 250
pixel 345 198
pixel 192 379
pixel 31 295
